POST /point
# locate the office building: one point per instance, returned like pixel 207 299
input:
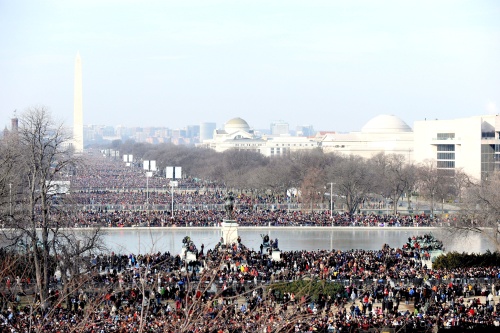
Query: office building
pixel 470 144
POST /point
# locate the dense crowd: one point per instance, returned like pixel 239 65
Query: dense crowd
pixel 211 218
pixel 109 193
pixel 227 289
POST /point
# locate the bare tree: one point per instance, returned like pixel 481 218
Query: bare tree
pixel 42 154
pixel 461 182
pixel 312 187
pixel 429 182
pixel 275 177
pixel 353 180
pixel 237 163
pixel 303 161
pixel 480 210
pixel 73 253
pixel 396 177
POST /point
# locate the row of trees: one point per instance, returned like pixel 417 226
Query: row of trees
pixel 313 173
pixel 455 260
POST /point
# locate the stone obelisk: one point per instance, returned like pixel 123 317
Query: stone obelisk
pixel 78 107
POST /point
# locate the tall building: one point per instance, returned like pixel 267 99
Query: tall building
pixel 207 131
pixel 306 130
pixel 470 144
pixel 280 128
pixel 14 124
pixel 78 107
pixel 193 131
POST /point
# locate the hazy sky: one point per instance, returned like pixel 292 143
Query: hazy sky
pixel 331 64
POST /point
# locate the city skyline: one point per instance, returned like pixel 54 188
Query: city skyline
pixel 330 64
pixel 187 135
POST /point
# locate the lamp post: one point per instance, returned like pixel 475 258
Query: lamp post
pixel 10 199
pixel 149 166
pixel 173 184
pixel 331 199
pixel 148 174
pixel 173 173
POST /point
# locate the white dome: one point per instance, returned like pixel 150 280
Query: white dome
pixel 385 124
pixel 236 124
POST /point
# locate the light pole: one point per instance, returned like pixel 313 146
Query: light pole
pixel 331 199
pixel 173 184
pixel 10 199
pixel 148 174
pixel 173 173
pixel 149 166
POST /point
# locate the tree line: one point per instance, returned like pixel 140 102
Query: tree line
pixel 314 174
pixel 454 260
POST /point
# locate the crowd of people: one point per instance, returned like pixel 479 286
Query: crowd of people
pixel 213 218
pixel 230 289
pixel 108 193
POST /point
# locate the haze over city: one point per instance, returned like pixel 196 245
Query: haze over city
pixel 330 64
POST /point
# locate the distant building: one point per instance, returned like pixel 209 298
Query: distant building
pixel 178 133
pixel 382 134
pixel 305 130
pixel 141 136
pixel 207 131
pixel 280 128
pixel 470 144
pixel 14 124
pixel 193 132
pixel 237 134
pixel 281 145
pixel 14 127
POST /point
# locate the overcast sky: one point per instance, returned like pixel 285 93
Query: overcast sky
pixel 331 64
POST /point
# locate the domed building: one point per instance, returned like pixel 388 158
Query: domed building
pixel 237 134
pixel 385 123
pixel 236 124
pixel 382 134
pixel 234 129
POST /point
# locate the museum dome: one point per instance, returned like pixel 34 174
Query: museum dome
pixel 385 124
pixel 236 124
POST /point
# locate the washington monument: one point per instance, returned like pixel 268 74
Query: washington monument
pixel 78 107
